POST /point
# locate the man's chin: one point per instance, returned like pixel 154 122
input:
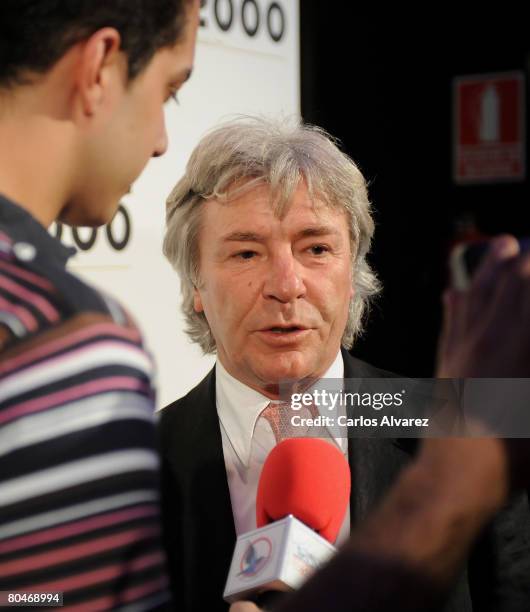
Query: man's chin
pixel 84 215
pixel 283 384
pixel 286 368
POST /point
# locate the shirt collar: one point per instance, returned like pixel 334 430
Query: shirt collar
pixel 22 228
pixel 239 407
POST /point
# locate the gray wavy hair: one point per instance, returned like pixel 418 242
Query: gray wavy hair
pixel 249 151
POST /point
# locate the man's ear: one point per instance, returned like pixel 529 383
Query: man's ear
pixel 101 62
pixel 197 301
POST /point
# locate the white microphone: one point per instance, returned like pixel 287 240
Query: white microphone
pixel 303 494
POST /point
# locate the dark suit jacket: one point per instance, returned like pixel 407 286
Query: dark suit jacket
pixel 199 532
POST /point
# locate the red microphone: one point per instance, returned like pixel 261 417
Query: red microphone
pixel 308 478
pixel 303 494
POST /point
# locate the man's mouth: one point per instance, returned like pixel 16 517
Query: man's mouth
pixel 284 335
pixel 284 330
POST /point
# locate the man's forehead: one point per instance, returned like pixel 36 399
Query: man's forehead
pixel 260 198
pixel 260 233
pixel 247 219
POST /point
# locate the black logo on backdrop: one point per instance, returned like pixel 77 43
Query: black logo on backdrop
pixel 227 13
pixel 117 240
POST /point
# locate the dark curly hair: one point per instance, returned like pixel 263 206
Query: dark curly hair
pixel 35 34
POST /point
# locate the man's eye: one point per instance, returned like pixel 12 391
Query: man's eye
pixel 319 249
pixel 245 254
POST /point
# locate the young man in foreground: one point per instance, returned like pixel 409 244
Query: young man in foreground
pixel 82 90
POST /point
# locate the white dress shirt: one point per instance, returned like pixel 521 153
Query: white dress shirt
pixel 248 439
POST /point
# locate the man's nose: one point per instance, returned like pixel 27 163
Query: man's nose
pixel 284 280
pixel 162 141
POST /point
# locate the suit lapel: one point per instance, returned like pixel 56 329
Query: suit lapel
pixel 209 532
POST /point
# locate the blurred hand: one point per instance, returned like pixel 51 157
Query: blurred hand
pixel 486 333
pixel 244 606
pixel 486 330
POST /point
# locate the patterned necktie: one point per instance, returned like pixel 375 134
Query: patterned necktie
pixel 279 415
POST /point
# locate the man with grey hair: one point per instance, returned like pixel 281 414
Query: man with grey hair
pixel 269 230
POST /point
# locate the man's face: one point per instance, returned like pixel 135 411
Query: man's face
pixel 133 130
pixel 275 291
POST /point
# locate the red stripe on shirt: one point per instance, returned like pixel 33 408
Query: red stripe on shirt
pixel 103 574
pixel 26 318
pixel 36 300
pixel 27 276
pixel 78 551
pixel 113 383
pixel 77 528
pixel 59 344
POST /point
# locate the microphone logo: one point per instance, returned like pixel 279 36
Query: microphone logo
pixel 255 557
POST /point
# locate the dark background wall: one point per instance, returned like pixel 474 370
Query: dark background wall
pixel 389 100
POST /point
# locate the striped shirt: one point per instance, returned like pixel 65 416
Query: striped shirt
pixel 79 499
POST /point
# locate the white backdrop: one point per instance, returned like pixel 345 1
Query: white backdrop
pixel 234 72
